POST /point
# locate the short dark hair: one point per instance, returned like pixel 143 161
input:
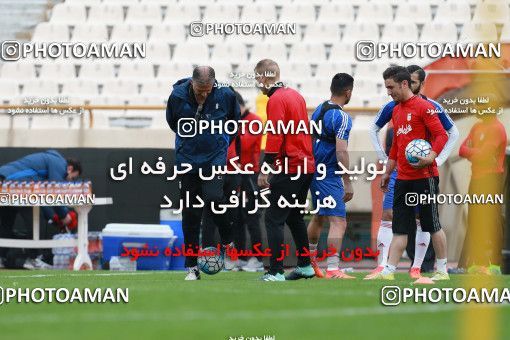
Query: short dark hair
pixel 398 74
pixel 417 69
pixel 203 75
pixel 340 83
pixel 239 98
pixel 75 164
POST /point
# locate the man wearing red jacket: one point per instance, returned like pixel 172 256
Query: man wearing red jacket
pixel 288 106
pixel 413 118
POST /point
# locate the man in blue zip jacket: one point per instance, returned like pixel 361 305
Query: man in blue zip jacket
pixel 194 99
pixel 42 166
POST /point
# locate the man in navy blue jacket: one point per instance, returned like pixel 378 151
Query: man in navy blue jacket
pixel 42 166
pixel 194 99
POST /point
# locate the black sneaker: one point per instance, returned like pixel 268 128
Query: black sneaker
pixel 301 273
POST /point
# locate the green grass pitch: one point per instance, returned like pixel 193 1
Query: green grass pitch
pixel 163 306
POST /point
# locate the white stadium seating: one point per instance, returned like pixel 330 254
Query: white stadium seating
pixel 453 11
pixel 439 32
pixel 89 33
pixel 64 13
pixel 476 32
pixel 327 32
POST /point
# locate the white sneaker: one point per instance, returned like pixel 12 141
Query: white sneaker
pixel 240 264
pixel 254 265
pixel 40 264
pixel 29 264
pixel 193 274
pixel 229 264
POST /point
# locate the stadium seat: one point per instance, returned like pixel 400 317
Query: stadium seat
pixel 234 52
pixel 90 33
pixel 311 53
pixel 368 86
pixel 149 14
pixel 174 70
pixel 50 121
pixel 439 2
pixel 240 38
pixel 325 33
pixel 492 11
pixel 58 71
pixel 314 100
pixel 358 102
pixel 22 121
pixel 81 87
pixel 343 52
pixel 17 70
pixel 111 14
pixel 329 69
pixel 102 117
pixel 416 13
pixel 172 34
pixel 97 70
pixel 457 12
pixel 119 88
pixel 375 12
pixel 361 31
pixel 83 2
pixel 190 52
pixel 74 100
pixel 478 32
pixel 221 13
pixel 246 67
pixel 505 34
pixel 153 114
pixel 160 2
pixel 439 32
pixel 371 70
pixel 316 86
pixel 181 14
pixel 269 2
pixel 268 51
pixel 64 13
pixel 39 87
pixel 159 88
pixel 293 70
pixel 378 100
pixel 136 71
pixel 5 119
pixel 336 13
pixel 8 88
pixel 257 13
pixel 150 100
pixel 100 120
pixel 111 100
pixel 301 12
pixel 50 32
pixel 158 52
pixel 124 33
pixel 122 2
pixel 401 32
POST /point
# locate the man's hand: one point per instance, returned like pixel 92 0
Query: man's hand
pixel 263 180
pixel 424 161
pixel 73 224
pixel 385 179
pixel 348 192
